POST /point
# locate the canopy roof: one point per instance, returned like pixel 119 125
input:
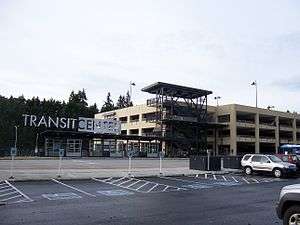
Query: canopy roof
pixel 176 90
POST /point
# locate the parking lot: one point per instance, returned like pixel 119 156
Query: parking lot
pixel 199 199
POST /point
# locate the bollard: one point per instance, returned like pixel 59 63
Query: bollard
pixel 160 165
pixel 222 164
pixel 61 154
pixel 59 167
pixel 129 166
pixel 12 167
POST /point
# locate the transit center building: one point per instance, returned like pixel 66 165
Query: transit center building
pixel 177 122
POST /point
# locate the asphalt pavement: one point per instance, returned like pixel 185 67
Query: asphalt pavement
pixel 182 200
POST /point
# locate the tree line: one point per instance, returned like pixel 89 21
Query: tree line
pixel 12 109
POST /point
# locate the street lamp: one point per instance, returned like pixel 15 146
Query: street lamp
pixel 130 88
pixel 36 144
pixel 254 83
pixel 16 136
pixel 217 99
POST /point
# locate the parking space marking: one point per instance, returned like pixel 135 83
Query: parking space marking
pixel 178 179
pixel 20 192
pixel 110 178
pixel 9 193
pixel 235 180
pixel 151 189
pixel 245 180
pixel 115 181
pixel 134 183
pixel 7 189
pixel 141 185
pixel 256 181
pixel 115 192
pixel 61 196
pixel 13 197
pixel 214 177
pixel 74 188
pixel 224 178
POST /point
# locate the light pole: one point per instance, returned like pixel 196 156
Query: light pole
pixel 36 144
pixel 16 138
pixel 254 83
pixel 217 98
pixel 130 88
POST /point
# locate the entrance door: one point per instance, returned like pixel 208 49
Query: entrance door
pixel 74 147
pixel 52 147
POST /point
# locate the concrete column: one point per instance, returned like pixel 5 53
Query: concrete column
pixel 277 137
pixel 233 133
pixel 257 133
pixel 294 131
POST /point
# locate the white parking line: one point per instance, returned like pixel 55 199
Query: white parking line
pixel 7 189
pixel 142 186
pixel 256 181
pixel 165 188
pixel 214 177
pixel 3 187
pixel 205 176
pixel 20 192
pixel 9 193
pixel 16 196
pixel 152 188
pixel 74 188
pixel 107 179
pixel 234 179
pixel 124 182
pixel 115 181
pixel 224 178
pixel 118 185
pixel 133 183
pixel 178 179
pixel 245 180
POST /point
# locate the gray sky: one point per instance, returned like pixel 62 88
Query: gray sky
pixel 48 48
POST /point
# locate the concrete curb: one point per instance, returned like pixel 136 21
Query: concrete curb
pixel 119 175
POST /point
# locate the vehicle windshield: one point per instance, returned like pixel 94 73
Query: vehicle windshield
pixel 274 158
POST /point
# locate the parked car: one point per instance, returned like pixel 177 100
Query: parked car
pixel 266 163
pixel 288 206
pixel 291 158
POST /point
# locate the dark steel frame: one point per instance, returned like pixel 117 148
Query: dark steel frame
pixel 181 117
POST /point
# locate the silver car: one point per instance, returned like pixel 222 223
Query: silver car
pixel 288 206
pixel 266 163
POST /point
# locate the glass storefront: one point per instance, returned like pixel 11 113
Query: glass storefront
pixel 72 147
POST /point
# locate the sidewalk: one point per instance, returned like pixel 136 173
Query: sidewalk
pixel 86 168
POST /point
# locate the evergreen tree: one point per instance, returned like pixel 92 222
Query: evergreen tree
pixel 108 104
pixel 128 101
pixel 121 102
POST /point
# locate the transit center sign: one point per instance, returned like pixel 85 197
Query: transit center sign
pixel 82 124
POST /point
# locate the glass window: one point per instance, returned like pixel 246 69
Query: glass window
pixel 256 158
pixel 264 159
pixel 274 158
pixel 285 158
pixel 246 157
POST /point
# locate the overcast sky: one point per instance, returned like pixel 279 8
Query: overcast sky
pixel 49 48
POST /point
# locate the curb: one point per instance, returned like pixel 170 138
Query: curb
pixel 137 176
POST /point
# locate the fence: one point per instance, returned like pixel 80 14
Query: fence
pixel 215 162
